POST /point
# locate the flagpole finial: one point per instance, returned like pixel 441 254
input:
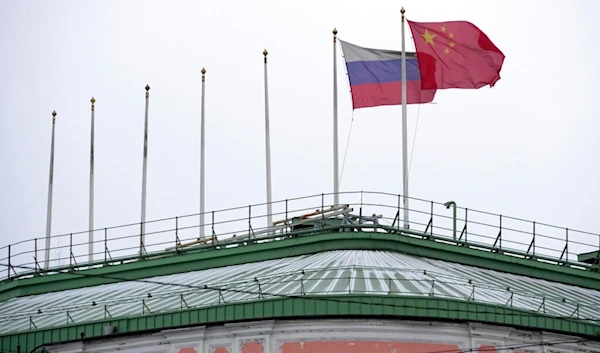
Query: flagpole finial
pixel 402 11
pixel 147 88
pixel 203 71
pixel 335 31
pixel 53 117
pixel 265 53
pixel 54 114
pixel 93 100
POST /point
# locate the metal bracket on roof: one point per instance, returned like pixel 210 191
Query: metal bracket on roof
pixel 532 244
pixel 432 291
pixel 183 302
pixel 31 323
pixel 69 317
pixel 542 306
pixel 221 297
pixel 429 224
pixel 106 251
pixel 472 296
pixel 498 238
pixel 71 256
pixel 510 300
pixel 397 218
pixel 106 312
pixel 576 311
pixel 301 286
pixel 464 230
pixel 177 241
pixel 145 307
pixel 142 249
pixel 36 264
pixel 260 294
pixel 35 261
pixel 566 248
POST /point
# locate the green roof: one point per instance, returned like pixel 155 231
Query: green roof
pixel 331 262
pixel 329 273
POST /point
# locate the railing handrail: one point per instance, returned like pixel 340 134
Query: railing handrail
pixel 12 254
pixel 295 199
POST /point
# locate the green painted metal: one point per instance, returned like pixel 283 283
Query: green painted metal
pixel 300 307
pixel 327 273
pixel 540 241
pixel 590 257
pixel 306 243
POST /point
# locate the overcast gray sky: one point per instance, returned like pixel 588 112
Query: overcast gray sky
pixel 527 148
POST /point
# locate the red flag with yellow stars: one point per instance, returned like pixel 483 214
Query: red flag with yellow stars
pixel 455 54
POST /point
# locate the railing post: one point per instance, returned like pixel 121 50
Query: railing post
pixel 212 225
pixel 35 256
pixel 249 221
pixel 8 269
pixel 105 244
pixel 322 210
pixel 466 223
pixel 176 233
pixel 431 218
pixel 399 202
pixel 567 245
pixel 500 233
pixel 533 238
pixel 71 250
pixel 141 239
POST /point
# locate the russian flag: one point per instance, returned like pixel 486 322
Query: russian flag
pixel 376 77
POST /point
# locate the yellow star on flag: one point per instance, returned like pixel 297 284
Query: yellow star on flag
pixel 443 29
pixel 428 37
pixel 447 51
pixel 451 35
pixel 452 44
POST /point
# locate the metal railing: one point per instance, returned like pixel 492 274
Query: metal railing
pixel 233 226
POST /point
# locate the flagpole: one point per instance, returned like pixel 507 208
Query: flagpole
pixel 336 180
pixel 202 158
pixel 268 148
pixel 91 218
pixel 404 130
pixel 50 182
pixel 144 171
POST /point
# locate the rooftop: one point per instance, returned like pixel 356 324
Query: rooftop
pixel 328 273
pixel 369 211
pixel 452 263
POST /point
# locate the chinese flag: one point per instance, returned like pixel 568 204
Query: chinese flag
pixel 455 54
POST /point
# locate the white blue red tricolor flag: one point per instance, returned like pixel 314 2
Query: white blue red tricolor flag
pixel 376 77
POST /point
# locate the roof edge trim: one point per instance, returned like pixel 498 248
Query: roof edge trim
pixel 254 252
pixel 301 307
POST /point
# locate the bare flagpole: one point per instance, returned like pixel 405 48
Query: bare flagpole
pixel 404 130
pixel 50 182
pixel 336 175
pixel 268 147
pixel 144 171
pixel 91 219
pixel 202 144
